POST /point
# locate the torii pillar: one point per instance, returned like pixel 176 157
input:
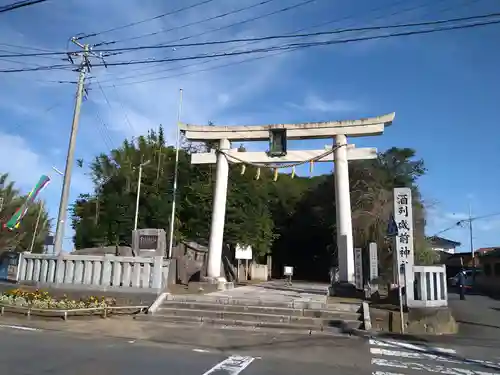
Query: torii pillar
pixel 338 130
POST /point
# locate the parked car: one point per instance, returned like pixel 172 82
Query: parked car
pixel 469 282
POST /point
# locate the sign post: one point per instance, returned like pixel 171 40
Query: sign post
pixel 373 258
pixel 403 241
pixel 243 252
pixel 358 268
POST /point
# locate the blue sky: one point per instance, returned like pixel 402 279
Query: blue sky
pixel 444 88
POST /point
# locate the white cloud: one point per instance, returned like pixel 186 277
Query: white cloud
pixel 25 166
pixel 313 103
pixel 16 157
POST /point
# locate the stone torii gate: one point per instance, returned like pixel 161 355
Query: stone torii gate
pixel 341 153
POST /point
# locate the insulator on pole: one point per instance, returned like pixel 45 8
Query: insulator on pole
pixel 311 167
pixel 293 172
pixel 243 169
pixel 275 177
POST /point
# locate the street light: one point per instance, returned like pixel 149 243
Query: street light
pixel 139 192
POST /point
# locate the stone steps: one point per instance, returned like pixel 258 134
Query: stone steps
pixel 227 309
pixel 296 315
pixel 336 327
pixel 292 303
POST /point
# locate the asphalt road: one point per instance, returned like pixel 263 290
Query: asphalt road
pixel 36 352
pixel 29 351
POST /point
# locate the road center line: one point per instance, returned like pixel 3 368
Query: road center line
pixel 232 365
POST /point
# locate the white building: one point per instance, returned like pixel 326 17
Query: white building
pixel 443 244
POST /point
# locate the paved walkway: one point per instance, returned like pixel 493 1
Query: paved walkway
pixel 478 316
pixel 277 291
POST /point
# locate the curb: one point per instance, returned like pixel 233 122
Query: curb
pixel 366 316
pixel 64 313
pixel 342 330
pixel 158 302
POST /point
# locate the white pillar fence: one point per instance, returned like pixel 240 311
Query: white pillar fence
pixel 93 272
pixel 429 286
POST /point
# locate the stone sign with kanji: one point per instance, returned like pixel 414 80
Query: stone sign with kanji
pixel 403 242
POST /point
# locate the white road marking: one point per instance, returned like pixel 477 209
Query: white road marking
pixel 232 365
pixel 426 367
pixel 22 328
pixel 412 355
pixel 405 345
pixel 432 357
pixel 201 351
pixel 385 373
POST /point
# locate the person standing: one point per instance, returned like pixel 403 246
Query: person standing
pixel 461 284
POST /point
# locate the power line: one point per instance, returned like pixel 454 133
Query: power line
pixel 467 220
pixel 320 33
pixel 274 37
pixel 384 15
pixel 145 20
pixel 253 58
pixel 292 46
pixel 239 23
pixel 19 4
pixel 219 16
pixel 110 107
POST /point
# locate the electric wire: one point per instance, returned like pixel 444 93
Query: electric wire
pixel 19 4
pixel 315 34
pixel 273 37
pixel 292 46
pixel 384 15
pixel 219 16
pixel 189 7
pixel 463 221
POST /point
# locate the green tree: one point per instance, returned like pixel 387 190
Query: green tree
pixel 106 218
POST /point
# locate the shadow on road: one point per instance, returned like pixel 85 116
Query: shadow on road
pixel 478 324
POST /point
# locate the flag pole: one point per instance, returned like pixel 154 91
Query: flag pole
pixel 176 173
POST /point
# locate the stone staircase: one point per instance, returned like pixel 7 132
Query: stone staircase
pixel 299 315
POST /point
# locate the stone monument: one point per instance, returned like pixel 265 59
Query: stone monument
pixel 149 242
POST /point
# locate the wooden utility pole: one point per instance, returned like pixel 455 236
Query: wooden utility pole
pixel 63 205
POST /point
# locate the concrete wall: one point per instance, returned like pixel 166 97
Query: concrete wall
pixel 258 271
pixel 104 272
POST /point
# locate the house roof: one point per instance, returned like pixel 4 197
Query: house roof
pixel 489 252
pixel 441 241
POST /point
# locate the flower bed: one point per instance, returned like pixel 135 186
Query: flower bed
pixel 39 299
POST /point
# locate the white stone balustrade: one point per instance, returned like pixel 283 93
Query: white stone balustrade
pixel 104 272
pixel 430 287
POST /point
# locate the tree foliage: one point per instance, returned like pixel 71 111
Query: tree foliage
pixel 20 239
pixel 292 218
